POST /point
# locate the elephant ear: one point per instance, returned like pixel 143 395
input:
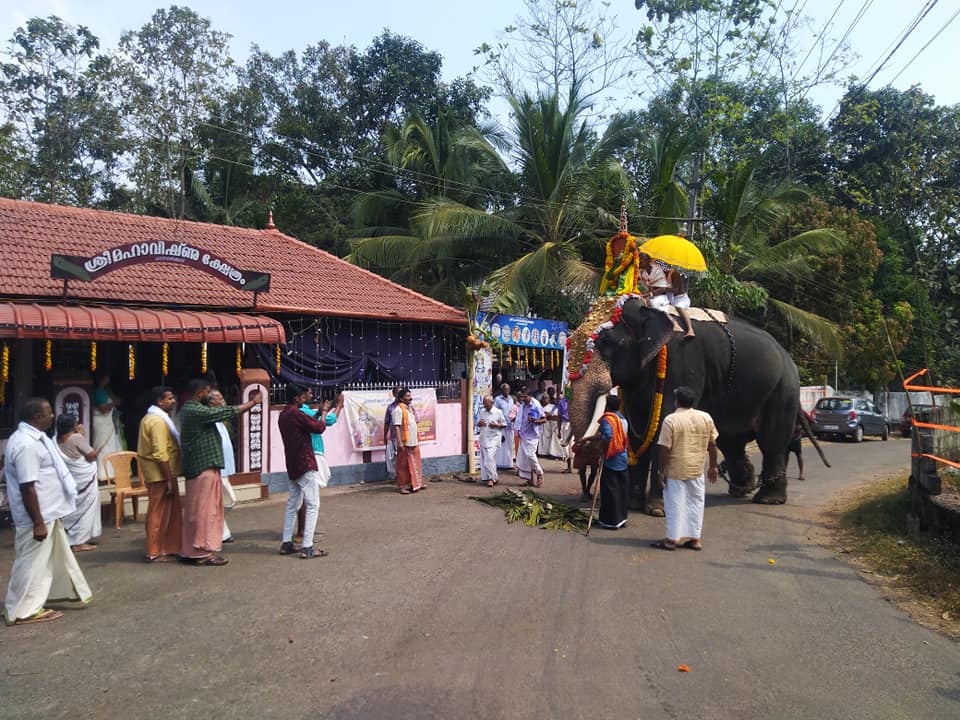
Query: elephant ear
pixel 649 329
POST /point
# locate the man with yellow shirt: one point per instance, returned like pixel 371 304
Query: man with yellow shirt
pixel 158 452
pixel 688 437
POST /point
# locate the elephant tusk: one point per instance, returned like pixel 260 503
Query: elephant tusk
pixel 594 427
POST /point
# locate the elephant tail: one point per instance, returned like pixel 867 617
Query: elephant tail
pixel 805 424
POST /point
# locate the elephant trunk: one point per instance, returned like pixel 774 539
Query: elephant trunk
pixel 587 391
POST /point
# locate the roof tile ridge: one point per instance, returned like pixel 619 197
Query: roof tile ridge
pixel 370 273
pixel 55 208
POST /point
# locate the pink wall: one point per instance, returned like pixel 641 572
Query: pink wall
pixel 339 449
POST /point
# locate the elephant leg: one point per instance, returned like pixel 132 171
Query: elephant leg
pixel 740 471
pixel 638 475
pixel 654 506
pixel 773 438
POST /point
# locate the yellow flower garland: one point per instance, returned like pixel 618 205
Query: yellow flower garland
pixel 203 358
pixel 657 401
pixel 278 360
pixel 239 361
pixel 93 356
pixel 5 364
pixel 164 359
pixel 131 362
pixel 48 356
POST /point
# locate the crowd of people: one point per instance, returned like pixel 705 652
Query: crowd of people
pixel 54 494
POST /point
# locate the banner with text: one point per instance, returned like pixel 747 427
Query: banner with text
pixel 365 410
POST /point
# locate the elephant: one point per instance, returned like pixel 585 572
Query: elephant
pixel 742 376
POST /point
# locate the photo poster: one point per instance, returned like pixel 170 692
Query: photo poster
pixel 481 383
pixel 365 411
pixel 525 332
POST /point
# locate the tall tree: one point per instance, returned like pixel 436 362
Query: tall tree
pixel 53 98
pixel 171 74
pixel 895 157
pixel 559 44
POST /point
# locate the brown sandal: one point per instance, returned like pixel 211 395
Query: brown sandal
pixel 42 615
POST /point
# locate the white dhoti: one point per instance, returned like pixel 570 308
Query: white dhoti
pixel 527 463
pixel 323 469
pixel 683 502
pixel 84 524
pixel 659 302
pixel 229 500
pixel 42 571
pixel 505 451
pixel 488 462
pixel 391 457
pixel 105 441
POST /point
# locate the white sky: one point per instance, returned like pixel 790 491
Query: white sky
pixel 456 27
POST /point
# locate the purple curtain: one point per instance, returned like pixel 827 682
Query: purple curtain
pixel 330 352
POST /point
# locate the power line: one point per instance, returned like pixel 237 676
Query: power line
pixel 817 39
pixel 928 43
pixel 926 11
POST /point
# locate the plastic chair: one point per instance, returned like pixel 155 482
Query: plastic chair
pixel 124 487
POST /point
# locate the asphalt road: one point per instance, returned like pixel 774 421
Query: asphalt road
pixel 431 606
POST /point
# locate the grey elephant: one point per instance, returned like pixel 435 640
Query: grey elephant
pixel 743 377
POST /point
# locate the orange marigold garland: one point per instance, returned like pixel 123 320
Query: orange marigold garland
pixel 203 358
pixel 93 356
pixel 278 360
pixel 48 356
pixel 131 362
pixel 239 361
pixel 4 372
pixel 165 359
pixel 657 401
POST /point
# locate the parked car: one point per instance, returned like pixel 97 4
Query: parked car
pixel 923 413
pixel 848 417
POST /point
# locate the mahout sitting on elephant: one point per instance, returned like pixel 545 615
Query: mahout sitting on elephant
pixel 741 375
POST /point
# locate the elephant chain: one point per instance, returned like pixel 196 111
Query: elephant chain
pixel 733 350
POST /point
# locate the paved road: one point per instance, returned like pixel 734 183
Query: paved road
pixel 431 606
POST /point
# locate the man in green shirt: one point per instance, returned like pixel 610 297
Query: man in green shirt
pixel 202 462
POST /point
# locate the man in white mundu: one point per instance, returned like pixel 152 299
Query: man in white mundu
pixel 42 491
pixel 491 422
pixel 530 420
pixel 686 439
pixel 659 289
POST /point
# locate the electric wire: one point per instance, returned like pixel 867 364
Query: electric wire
pixel 928 43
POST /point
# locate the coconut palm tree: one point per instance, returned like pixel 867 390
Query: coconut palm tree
pixel 745 214
pixel 567 174
pixel 445 160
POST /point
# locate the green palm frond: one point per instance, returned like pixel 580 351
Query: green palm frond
pixel 386 252
pixel 791 257
pixel 814 327
pixel 536 271
pixel 443 218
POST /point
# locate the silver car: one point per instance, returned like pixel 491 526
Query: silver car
pixel 848 417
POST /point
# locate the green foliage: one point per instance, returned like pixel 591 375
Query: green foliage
pixel 535 510
pixel 61 134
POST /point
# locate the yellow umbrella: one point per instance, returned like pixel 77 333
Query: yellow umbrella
pixel 676 251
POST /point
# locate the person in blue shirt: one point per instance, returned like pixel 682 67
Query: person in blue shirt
pixel 614 483
pixel 330 414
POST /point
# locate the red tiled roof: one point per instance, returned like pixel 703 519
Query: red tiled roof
pixel 72 322
pixel 304 279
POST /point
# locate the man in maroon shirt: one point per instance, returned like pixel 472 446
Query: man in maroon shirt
pixel 295 430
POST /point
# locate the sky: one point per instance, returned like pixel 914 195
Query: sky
pixel 455 27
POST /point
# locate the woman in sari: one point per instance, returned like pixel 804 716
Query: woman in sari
pixel 550 438
pixel 106 438
pixel 83 524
